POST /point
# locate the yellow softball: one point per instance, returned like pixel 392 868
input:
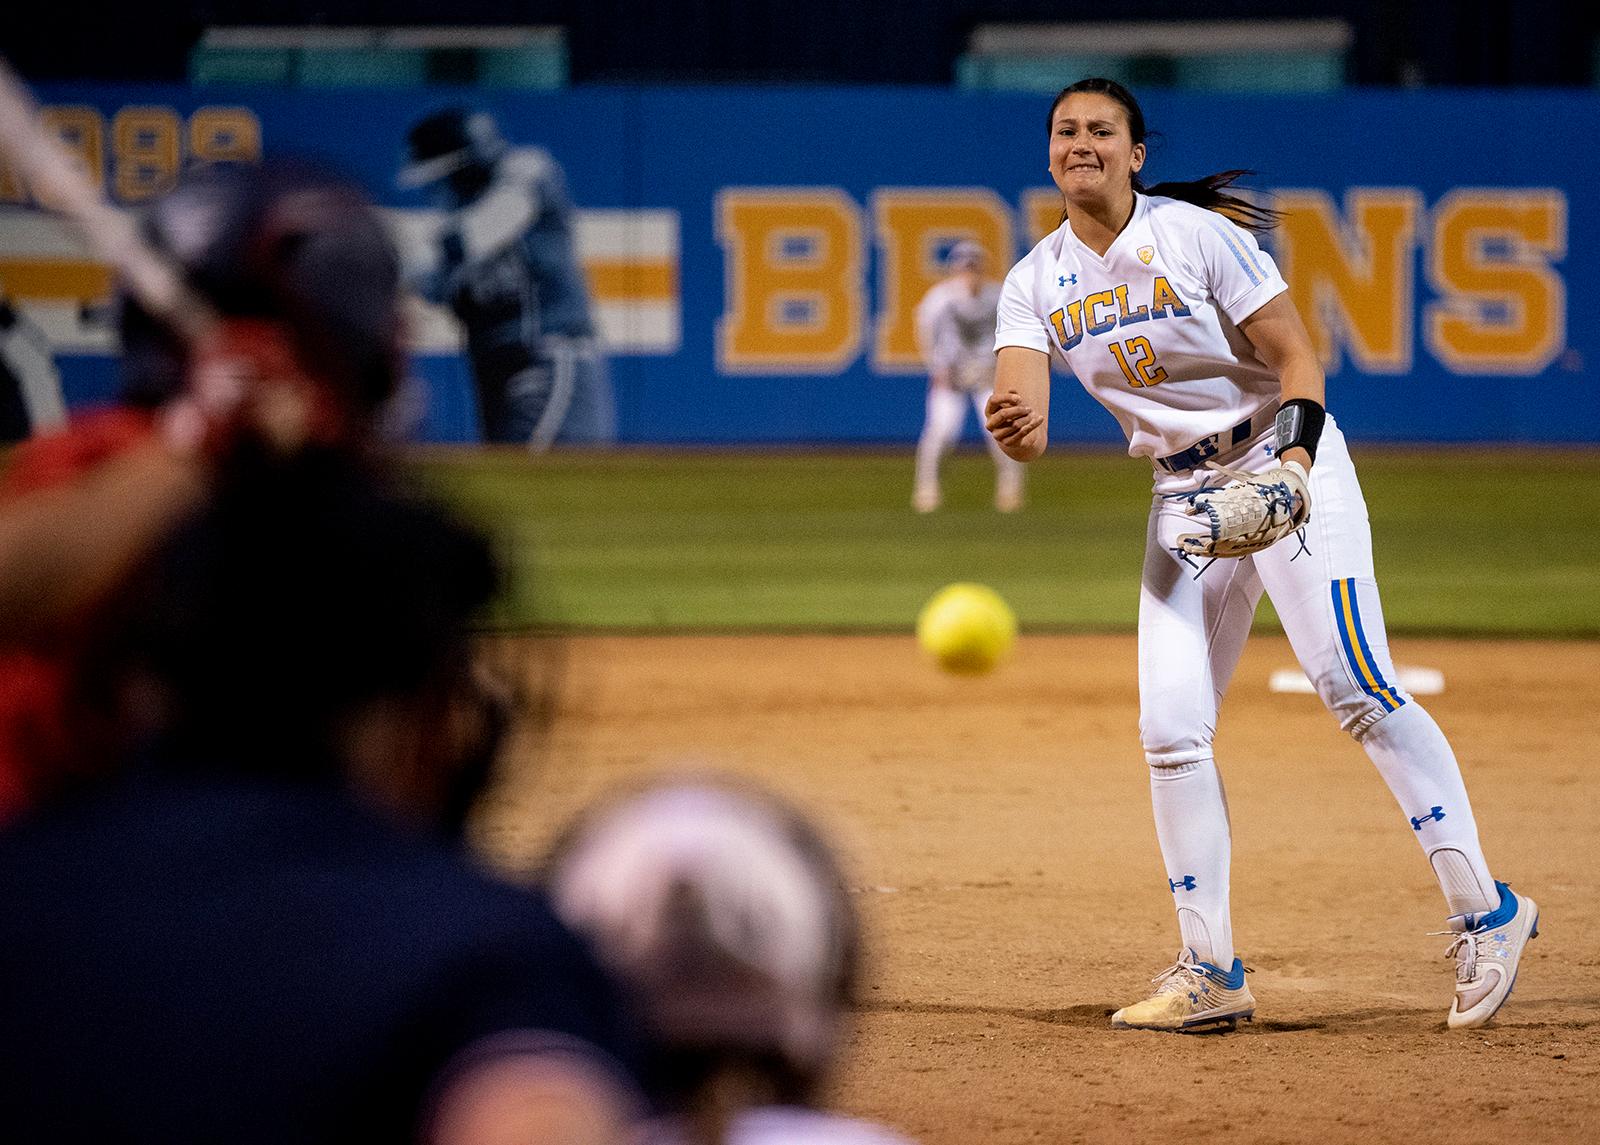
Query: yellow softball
pixel 967 628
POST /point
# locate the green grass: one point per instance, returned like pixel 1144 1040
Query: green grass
pixel 1466 542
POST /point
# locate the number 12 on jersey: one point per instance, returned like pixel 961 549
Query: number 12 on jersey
pixel 1138 362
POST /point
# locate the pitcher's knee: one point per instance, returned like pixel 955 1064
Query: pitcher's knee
pixel 1169 744
pixel 1359 704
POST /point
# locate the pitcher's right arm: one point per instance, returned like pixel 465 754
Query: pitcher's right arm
pixel 1017 414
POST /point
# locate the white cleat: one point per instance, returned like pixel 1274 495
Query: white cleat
pixel 925 499
pixel 1190 996
pixel 1487 949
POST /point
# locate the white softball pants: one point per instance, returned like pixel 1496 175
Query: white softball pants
pixel 1194 617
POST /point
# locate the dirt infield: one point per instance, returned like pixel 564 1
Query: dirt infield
pixel 999 833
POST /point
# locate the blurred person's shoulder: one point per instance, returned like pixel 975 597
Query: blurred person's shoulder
pixel 794 1125
pixel 786 1125
pixel 401 918
pixel 289 932
pixel 939 294
pixel 151 836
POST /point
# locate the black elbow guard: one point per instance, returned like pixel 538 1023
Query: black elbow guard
pixel 1299 423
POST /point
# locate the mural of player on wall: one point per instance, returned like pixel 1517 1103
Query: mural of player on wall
pixel 504 263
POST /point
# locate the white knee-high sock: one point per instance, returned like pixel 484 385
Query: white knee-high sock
pixel 1415 760
pixel 1191 812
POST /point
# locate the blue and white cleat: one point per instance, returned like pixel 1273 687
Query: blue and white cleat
pixel 1191 996
pixel 1487 949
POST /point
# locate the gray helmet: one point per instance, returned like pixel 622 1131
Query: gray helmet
pixel 288 241
pixel 965 255
pixel 723 912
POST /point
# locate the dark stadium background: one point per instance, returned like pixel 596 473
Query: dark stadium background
pixel 1402 43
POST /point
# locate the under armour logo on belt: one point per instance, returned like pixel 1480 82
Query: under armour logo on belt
pixel 1185 884
pixel 1436 813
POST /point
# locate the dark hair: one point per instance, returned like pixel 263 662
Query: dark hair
pixel 1210 192
pixel 306 588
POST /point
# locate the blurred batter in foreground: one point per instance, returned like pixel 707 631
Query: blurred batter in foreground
pixel 239 909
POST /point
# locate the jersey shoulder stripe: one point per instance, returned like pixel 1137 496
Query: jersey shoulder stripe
pixel 1241 254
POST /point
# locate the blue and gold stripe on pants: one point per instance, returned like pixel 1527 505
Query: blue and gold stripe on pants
pixel 1347 614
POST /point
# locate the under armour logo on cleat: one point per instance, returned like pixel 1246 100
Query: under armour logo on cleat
pixel 1436 813
pixel 1185 884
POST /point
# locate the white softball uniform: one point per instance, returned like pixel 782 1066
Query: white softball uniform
pixel 1151 331
pixel 955 333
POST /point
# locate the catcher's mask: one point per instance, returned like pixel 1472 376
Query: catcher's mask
pixel 286 247
pixel 725 915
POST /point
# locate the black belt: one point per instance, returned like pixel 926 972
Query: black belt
pixel 1215 445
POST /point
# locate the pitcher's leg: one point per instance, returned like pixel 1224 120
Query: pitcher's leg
pixel 1192 628
pixel 1327 597
pixel 1329 605
pixel 1416 761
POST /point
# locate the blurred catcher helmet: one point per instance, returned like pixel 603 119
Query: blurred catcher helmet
pixel 286 243
pixel 724 913
pixel 448 142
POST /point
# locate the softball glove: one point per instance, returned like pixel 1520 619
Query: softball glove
pixel 1250 512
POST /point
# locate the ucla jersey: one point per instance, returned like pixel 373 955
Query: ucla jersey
pixel 512 271
pixel 1151 329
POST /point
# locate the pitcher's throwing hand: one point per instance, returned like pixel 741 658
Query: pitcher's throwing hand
pixel 1008 419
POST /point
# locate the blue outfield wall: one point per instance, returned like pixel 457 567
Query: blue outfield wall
pixel 755 252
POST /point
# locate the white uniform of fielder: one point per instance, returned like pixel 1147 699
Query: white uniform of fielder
pixel 1151 331
pixel 955 334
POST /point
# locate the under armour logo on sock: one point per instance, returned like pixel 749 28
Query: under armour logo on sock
pixel 1185 884
pixel 1436 814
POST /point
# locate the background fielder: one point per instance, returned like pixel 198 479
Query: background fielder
pixel 955 333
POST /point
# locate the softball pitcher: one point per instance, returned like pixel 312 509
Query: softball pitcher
pixel 1168 312
pixel 955 325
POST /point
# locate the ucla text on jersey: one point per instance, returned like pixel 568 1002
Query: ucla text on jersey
pixel 1105 310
